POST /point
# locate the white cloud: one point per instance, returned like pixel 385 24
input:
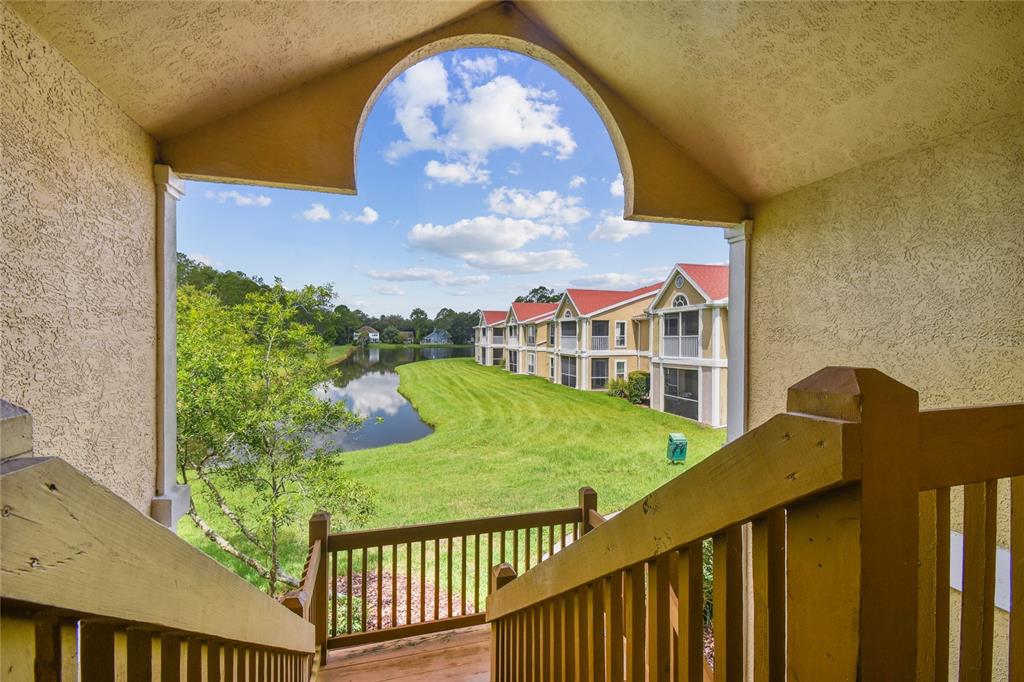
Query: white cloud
pixel 456 173
pixel 577 182
pixel 514 168
pixel 437 276
pixel 422 87
pixel 616 187
pixel 316 213
pixel 544 206
pixel 470 70
pixel 200 258
pixel 367 217
pixel 613 228
pixel 614 279
pixel 238 198
pixel 388 290
pixel 495 243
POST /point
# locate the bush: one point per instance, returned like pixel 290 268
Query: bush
pixel 618 388
pixel 390 335
pixel 638 387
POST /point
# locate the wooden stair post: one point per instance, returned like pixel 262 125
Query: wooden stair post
pixel 588 504
pixel 856 550
pixel 501 575
pixel 320 529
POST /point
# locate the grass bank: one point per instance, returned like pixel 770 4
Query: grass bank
pixel 505 444
pixel 336 354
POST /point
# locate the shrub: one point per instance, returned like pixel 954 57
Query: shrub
pixel 618 388
pixel 391 335
pixel 638 386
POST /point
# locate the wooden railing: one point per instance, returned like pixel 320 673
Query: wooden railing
pixel 93 590
pixel 827 562
pixel 390 583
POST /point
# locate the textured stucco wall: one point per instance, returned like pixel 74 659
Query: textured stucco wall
pixel 77 258
pixel 913 265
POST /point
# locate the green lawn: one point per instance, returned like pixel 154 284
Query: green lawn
pixel 505 443
pixel 336 354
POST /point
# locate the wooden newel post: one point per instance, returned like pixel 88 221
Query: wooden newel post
pixel 320 529
pixel 588 503
pixel 856 549
pixel 501 575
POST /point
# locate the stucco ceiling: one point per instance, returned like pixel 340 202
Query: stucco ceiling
pixel 766 96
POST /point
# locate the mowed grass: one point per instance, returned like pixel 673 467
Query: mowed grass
pixel 508 443
pixel 502 444
pixel 336 354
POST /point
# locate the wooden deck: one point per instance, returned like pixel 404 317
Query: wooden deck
pixel 456 656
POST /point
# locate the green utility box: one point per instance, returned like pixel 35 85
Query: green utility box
pixel 676 448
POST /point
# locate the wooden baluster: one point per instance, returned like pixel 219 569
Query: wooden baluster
pixel 363 615
pixel 727 597
pixel 562 527
pixel 526 552
pixel 229 662
pixel 214 663
pixel 423 580
pixel 448 613
pixel 503 553
pixel 633 607
pixel 568 635
pixel 380 587
pixel 557 660
pixel 349 602
pixel 595 630
pixel 538 642
pixel 690 590
pixel 490 562
pixel 613 611
pixel 581 599
pixel 551 540
pixel 170 658
pixel 515 551
pixel 768 537
pixel 462 580
pixel 476 573
pixel 408 583
pixel 977 603
pixel 540 544
pixel 437 578
pixel 97 651
pixel 1016 670
pixel 394 585
pixel 659 628
pixel 333 590
pixel 927 577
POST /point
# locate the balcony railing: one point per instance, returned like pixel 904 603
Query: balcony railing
pixel 568 343
pixel 499 340
pixel 680 346
pixel 598 343
pixel 513 342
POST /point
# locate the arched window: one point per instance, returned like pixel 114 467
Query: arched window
pixel 679 301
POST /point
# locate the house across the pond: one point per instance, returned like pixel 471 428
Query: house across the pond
pixel 407 337
pixel 438 336
pixel 372 333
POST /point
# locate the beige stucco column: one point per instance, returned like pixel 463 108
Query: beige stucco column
pixel 171 499
pixel 739 315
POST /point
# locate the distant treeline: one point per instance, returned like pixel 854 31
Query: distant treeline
pixel 335 323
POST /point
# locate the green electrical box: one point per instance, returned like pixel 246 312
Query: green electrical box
pixel 676 448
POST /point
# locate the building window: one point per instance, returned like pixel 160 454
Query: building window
pixel 569 372
pixel 551 334
pixel 531 363
pixel 599 373
pixel 599 335
pixel 551 368
pixel 681 335
pixel 513 362
pixel 680 301
pixel 681 392
pixel 497 358
pixel 531 335
pixel 620 370
pixel 620 334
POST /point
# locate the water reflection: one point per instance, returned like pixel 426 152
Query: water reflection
pixel 368 384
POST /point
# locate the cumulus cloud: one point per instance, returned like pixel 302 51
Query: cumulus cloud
pixel 456 173
pixel 422 87
pixel 388 289
pixel 238 198
pixel 577 182
pixel 434 275
pixel 613 228
pixel 544 206
pixel 514 168
pixel 495 243
pixel 368 216
pixel 470 70
pixel 616 187
pixel 200 258
pixel 316 213
pixel 608 280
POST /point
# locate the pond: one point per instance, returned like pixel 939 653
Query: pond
pixel 368 383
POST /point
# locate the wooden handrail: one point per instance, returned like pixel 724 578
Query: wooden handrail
pixel 970 444
pixel 796 455
pixel 71 549
pixel 298 601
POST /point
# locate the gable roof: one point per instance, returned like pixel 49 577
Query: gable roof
pixel 492 317
pixel 589 301
pixel 713 280
pixel 526 312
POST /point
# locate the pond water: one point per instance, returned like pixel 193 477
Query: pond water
pixel 368 384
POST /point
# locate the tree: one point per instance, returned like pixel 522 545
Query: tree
pixel 390 335
pixel 540 295
pixel 251 426
pixel 420 322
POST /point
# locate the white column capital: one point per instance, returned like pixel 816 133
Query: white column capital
pixel 740 233
pixel 167 180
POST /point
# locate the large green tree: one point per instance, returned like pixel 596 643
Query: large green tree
pixel 420 322
pixel 250 423
pixel 540 295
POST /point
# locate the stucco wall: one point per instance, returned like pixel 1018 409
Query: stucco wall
pixel 913 265
pixel 78 264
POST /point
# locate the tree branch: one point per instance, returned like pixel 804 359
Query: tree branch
pixel 228 511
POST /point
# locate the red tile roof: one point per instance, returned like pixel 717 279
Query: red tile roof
pixel 494 316
pixel 588 301
pixel 528 311
pixel 713 279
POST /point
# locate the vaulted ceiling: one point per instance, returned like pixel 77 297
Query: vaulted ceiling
pixel 765 96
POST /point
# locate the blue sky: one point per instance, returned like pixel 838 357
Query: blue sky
pixel 481 174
